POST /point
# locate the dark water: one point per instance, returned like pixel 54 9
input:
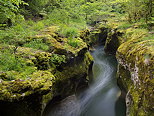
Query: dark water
pixel 100 99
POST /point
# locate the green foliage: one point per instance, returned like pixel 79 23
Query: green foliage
pixel 149 37
pixel 37 6
pixel 74 42
pixel 11 63
pixel 14 34
pixel 70 16
pixel 92 11
pixel 37 44
pixel 17 34
pixel 138 9
pixel 59 16
pixel 8 61
pixel 9 10
pixel 38 26
pixel 57 59
pixel 69 32
pixel 125 26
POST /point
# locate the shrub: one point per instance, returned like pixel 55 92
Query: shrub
pixel 9 10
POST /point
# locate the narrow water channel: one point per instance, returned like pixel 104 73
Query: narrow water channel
pixel 100 99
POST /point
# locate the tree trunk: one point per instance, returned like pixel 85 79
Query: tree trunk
pixel 150 7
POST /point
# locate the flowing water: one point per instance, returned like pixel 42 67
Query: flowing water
pixel 100 99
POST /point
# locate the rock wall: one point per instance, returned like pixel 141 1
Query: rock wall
pixel 135 54
pixel 136 74
pixel 95 35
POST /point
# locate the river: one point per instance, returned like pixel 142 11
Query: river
pixel 100 99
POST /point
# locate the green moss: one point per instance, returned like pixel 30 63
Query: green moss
pixel 69 64
pixel 47 98
pixel 94 36
pixel 57 59
pixel 42 60
pixel 137 56
pixel 75 68
pixel 72 74
pixel 40 82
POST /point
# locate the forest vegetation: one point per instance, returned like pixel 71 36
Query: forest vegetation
pixel 39 38
pixel 22 19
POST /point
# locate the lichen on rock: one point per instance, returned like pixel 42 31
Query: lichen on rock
pixel 136 63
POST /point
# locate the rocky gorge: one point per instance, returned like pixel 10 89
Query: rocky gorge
pixel 133 48
pixel 63 69
pixel 134 52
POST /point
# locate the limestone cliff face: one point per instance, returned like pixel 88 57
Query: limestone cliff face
pixel 136 74
pixel 134 50
pixel 59 71
pixel 112 42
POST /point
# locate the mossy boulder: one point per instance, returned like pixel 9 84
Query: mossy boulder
pixel 136 70
pixel 25 97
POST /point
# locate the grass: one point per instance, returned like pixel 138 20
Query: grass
pixel 37 44
pixel 125 26
pixel 16 33
pixel 69 31
pixel 150 39
pixel 11 66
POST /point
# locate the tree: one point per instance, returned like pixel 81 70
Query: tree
pixel 138 9
pixel 37 6
pixel 9 10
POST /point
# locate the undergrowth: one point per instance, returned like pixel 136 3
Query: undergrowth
pixel 11 65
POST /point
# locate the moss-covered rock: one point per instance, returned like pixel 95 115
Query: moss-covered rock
pixel 136 70
pixel 25 97
pixel 39 82
pixel 135 54
pixel 95 35
pixel 58 71
pixel 77 69
pixel 113 41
